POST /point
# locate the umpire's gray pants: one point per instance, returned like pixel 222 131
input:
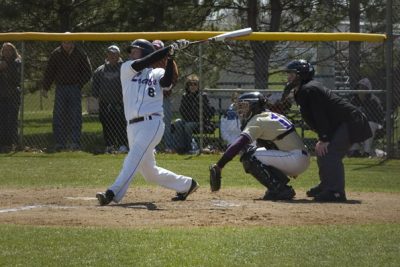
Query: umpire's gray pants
pixel 331 169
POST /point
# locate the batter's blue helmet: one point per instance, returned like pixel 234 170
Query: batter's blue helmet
pixel 302 68
pixel 142 44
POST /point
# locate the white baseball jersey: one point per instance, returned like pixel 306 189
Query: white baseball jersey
pixel 143 96
pixel 142 93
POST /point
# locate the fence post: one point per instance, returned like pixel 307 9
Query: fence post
pixel 389 78
pixel 21 108
pixel 201 96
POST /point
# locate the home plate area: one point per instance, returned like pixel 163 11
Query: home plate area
pixel 145 207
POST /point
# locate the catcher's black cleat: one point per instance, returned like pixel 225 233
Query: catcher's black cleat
pixel 330 196
pixel 313 192
pixel 287 193
pixel 105 198
pixel 183 196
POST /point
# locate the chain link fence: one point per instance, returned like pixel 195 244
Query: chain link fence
pixel 196 124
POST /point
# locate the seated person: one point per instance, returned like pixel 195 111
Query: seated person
pixel 189 110
pixel 230 125
pixel 371 106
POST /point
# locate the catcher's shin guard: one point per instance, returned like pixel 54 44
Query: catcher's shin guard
pixel 272 178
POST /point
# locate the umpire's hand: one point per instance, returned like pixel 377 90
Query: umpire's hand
pixel 321 148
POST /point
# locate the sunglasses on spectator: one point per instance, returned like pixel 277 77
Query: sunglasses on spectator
pixel 192 83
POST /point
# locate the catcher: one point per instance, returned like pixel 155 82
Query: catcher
pixel 279 150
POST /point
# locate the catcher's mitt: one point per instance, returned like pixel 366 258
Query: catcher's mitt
pixel 215 177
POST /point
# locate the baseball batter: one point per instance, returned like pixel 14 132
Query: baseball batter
pixel 143 99
pixel 279 153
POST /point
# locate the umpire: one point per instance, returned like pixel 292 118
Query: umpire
pixel 338 124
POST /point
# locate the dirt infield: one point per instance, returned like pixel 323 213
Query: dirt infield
pixel 151 207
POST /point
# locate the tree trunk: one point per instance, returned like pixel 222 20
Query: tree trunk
pixel 64 15
pixel 262 50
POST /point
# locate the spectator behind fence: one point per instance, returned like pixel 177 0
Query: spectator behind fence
pixel 230 125
pixel 396 90
pixel 371 106
pixel 70 69
pixel 190 122
pixel 167 141
pixel 10 96
pixel 107 88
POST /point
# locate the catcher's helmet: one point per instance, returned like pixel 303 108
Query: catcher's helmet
pixel 302 68
pixel 250 104
pixel 142 44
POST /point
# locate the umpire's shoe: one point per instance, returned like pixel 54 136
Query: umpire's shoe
pixel 183 196
pixel 105 198
pixel 330 196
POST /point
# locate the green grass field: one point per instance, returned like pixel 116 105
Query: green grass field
pixel 315 245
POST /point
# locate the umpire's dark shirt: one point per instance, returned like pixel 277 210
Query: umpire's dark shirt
pixel 322 110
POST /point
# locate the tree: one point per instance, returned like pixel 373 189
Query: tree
pixel 102 16
pixel 278 16
pixel 263 50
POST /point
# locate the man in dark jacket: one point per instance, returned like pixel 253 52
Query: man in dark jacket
pixel 107 88
pixel 10 96
pixel 337 123
pixel 70 69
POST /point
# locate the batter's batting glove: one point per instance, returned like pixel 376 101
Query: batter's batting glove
pixel 215 177
pixel 180 44
pixel 171 51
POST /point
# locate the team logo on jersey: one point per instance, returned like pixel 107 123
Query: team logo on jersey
pixel 149 82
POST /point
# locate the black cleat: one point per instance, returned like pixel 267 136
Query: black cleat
pixel 286 193
pixel 183 196
pixel 313 192
pixel 330 196
pixel 105 198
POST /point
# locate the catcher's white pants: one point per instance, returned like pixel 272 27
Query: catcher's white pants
pixel 143 137
pixel 291 163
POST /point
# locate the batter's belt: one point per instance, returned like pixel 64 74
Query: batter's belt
pixel 144 118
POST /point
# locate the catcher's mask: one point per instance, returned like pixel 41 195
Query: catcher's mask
pixel 250 104
pixel 145 46
pixel 304 70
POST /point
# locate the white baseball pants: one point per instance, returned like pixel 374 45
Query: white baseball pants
pixel 143 137
pixel 291 163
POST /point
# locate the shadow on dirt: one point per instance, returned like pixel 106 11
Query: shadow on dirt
pixel 139 205
pixel 310 201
